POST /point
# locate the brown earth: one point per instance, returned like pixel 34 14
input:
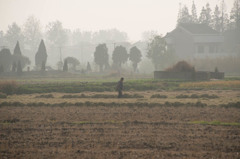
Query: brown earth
pixel 120 132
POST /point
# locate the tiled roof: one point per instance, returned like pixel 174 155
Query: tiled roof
pixel 198 28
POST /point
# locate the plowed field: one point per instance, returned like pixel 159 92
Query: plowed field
pixel 123 131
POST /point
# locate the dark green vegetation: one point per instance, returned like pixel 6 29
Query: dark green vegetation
pixel 158 96
pixel 215 123
pixel 114 104
pixel 103 96
pixel 75 86
pixel 78 87
pixel 198 96
pixel 45 96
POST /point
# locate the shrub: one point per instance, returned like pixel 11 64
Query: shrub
pixel 8 87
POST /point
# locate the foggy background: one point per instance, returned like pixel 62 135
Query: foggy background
pixel 73 28
pixel 130 16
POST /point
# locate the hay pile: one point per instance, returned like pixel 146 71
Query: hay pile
pixel 181 66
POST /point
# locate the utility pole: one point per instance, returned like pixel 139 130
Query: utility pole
pixel 60 63
pixel 60 52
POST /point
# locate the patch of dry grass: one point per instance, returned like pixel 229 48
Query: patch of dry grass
pixel 171 97
pixel 211 85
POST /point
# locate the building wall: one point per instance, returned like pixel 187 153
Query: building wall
pixel 182 43
pixel 188 45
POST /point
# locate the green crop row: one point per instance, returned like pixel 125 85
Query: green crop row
pixel 215 123
pixel 12 87
pixel 198 96
pixel 114 104
pixel 102 96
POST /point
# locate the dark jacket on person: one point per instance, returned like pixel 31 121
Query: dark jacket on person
pixel 119 86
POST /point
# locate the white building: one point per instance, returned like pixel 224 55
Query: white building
pixel 191 40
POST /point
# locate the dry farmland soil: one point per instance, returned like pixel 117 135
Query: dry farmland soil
pixel 70 131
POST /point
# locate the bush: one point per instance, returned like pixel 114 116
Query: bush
pixel 8 87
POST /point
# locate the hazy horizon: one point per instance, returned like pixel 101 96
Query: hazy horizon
pixel 133 17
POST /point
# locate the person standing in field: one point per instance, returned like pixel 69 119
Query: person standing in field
pixel 120 87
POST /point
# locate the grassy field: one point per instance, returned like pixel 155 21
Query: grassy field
pixel 72 85
pixel 85 119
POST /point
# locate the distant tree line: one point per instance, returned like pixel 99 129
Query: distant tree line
pixel 216 18
pixel 31 33
pixel 12 62
pixel 17 61
pixel 119 57
pixel 57 37
pixel 28 37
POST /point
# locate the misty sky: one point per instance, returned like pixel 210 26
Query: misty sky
pixel 131 16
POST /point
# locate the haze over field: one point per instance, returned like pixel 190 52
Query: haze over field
pixel 131 16
pixel 139 36
pixel 120 79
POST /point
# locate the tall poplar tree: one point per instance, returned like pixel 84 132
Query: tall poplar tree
pixel 223 17
pixel 235 14
pixel 208 14
pixel 216 19
pixel 202 17
pixel 194 17
pixel 17 56
pixel 184 16
pixel 41 55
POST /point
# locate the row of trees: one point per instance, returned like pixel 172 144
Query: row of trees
pixel 59 40
pixel 16 61
pixel 157 51
pixel 55 34
pixel 218 18
pixel 119 57
pixel 13 61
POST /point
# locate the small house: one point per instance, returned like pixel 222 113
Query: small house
pixel 190 40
